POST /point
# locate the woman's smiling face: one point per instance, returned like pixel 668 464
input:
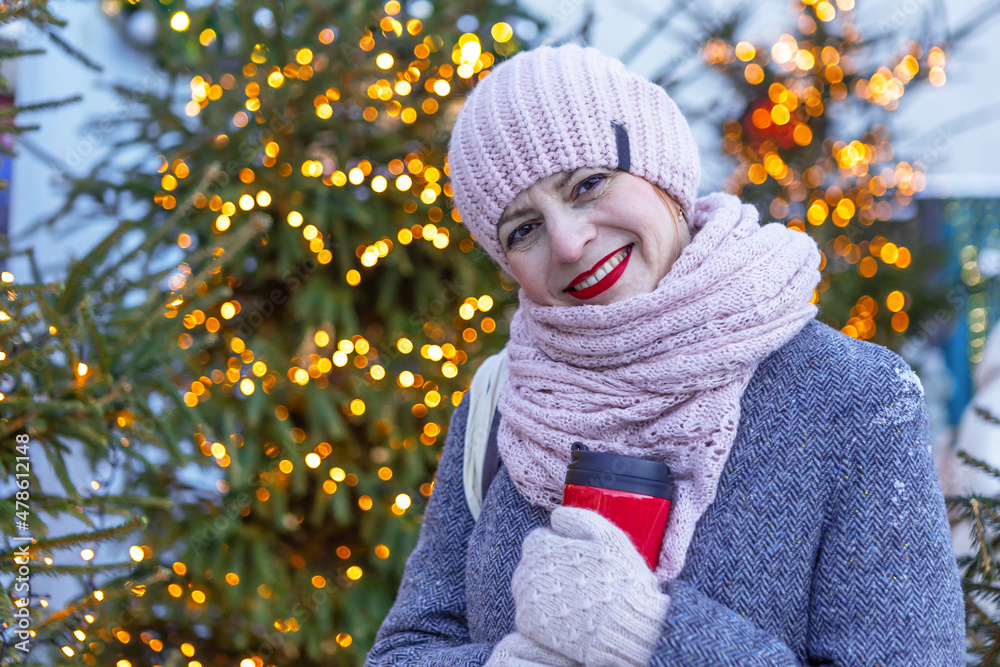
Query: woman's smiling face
pixel 591 236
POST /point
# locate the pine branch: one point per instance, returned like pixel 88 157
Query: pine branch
pixel 55 319
pixel 159 574
pixel 18 129
pixel 7 607
pixel 47 17
pixel 72 51
pixel 127 502
pixel 11 111
pixel 17 53
pixel 57 506
pixel 987 415
pixel 119 505
pixel 170 440
pixel 74 287
pixel 54 455
pixel 969 460
pixel 243 235
pixel 989 596
pixel 77 570
pixel 989 509
pixel 654 29
pixel 991 656
pixel 87 315
pixel 52 407
pixel 977 22
pixel 21 10
pixel 75 539
pixel 980 535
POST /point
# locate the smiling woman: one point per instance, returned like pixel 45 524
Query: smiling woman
pixel 807 524
pixel 549 232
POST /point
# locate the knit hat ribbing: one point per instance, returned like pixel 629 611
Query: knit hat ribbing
pixel 556 109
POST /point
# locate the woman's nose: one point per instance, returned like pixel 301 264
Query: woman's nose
pixel 569 233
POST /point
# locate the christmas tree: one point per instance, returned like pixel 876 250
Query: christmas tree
pixel 323 356
pixel 980 514
pixel 77 370
pixel 811 140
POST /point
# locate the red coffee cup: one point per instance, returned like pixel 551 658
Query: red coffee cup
pixel 631 492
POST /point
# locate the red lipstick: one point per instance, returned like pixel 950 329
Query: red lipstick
pixel 604 283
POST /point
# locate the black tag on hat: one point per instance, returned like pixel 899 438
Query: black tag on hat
pixel 621 138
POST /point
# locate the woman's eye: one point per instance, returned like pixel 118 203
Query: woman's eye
pixel 592 181
pixel 522 231
pixel 513 239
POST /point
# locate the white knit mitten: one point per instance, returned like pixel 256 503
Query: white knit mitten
pixel 583 590
pixel 516 650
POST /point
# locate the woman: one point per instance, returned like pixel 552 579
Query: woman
pixel 808 525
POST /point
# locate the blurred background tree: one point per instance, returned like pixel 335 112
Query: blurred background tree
pixel 808 123
pixel 81 364
pixel 322 360
pixel 979 513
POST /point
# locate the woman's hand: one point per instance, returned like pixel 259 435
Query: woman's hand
pixel 516 650
pixel 583 591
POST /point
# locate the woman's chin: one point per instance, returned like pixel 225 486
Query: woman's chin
pixel 614 294
pixel 622 290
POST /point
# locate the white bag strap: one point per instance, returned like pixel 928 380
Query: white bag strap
pixel 484 393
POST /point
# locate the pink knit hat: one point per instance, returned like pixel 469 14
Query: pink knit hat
pixel 556 109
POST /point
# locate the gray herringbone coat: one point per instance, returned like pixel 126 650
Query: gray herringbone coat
pixel 827 542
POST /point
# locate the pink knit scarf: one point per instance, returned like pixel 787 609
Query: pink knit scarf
pixel 657 375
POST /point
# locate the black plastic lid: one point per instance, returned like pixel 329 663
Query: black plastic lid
pixel 619 472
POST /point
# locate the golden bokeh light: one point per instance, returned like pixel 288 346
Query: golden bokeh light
pixel 180 21
pixel 895 301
